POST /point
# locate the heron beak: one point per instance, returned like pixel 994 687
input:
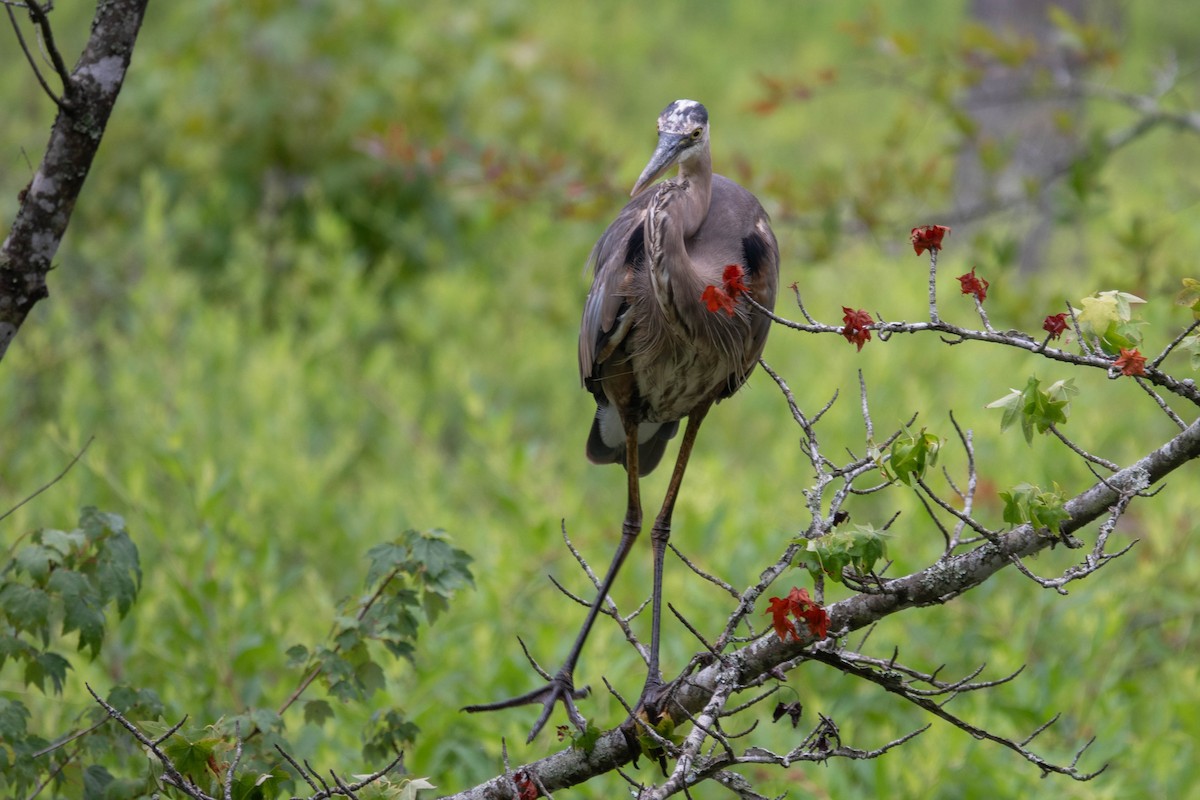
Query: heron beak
pixel 670 145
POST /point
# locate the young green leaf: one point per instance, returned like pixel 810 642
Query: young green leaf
pixel 1036 408
pixel 859 547
pixel 1108 317
pixel 909 457
pixel 1191 345
pixel 1027 503
pixel 1189 296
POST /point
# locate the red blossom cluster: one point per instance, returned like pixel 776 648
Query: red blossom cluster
pixel 971 284
pixel 526 788
pixel 1055 325
pixel 855 326
pixel 1131 362
pixel 928 237
pixel 722 298
pixel 802 607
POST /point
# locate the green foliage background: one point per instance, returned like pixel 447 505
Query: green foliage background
pixel 323 287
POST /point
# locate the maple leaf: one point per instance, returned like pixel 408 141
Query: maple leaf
pixel 927 237
pixel 1055 325
pixel 855 324
pixel 800 605
pixel 1131 362
pixel 971 284
pixel 526 788
pixel 817 620
pixel 805 608
pixel 1035 407
pixel 779 611
pixel 1109 317
pixel 717 299
pixel 732 278
pixel 1189 296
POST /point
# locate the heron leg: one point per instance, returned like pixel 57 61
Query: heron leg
pixel 562 686
pixel 660 534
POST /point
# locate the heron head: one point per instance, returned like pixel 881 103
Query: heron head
pixel 682 133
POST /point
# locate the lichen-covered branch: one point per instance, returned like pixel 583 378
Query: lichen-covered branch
pixel 89 93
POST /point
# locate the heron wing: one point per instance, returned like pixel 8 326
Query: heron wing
pixel 619 252
pixel 737 230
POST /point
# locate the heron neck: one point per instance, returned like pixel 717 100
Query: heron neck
pixel 697 172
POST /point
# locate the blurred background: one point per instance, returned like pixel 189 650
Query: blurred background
pixel 324 282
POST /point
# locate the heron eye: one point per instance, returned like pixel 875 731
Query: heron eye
pixel 696 133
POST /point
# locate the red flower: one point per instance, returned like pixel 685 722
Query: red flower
pixel 717 299
pixel 1131 362
pixel 1055 325
pixel 526 788
pixel 855 325
pixel 802 607
pixel 974 285
pixel 722 298
pixel 928 237
pixel 732 279
pixel 779 611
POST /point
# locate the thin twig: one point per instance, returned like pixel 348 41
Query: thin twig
pixel 38 14
pixel 1174 343
pixel 1103 462
pixel 933 312
pixel 53 480
pixel 37 73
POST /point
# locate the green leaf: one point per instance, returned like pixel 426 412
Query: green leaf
pixel 297 655
pixel 36 561
pixel 860 547
pixel 909 457
pixel 27 608
pixel 1191 345
pixel 65 544
pixel 412 786
pixel 96 781
pixel 586 741
pixel 14 647
pixel 47 665
pixel 389 731
pixel 1189 296
pixel 192 757
pixel 264 719
pixel 251 786
pixel 435 554
pixel 119 572
pixel 14 716
pixel 1036 408
pixel 370 677
pixel 82 608
pixel 384 559
pixel 317 711
pixel 1027 503
pixel 97 524
pixel 1108 316
pixel 142 704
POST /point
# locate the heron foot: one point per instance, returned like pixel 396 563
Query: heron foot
pixel 650 711
pixel 560 688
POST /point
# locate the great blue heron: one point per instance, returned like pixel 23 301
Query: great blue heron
pixel 652 352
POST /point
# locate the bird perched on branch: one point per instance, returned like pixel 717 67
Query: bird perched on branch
pixel 665 334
